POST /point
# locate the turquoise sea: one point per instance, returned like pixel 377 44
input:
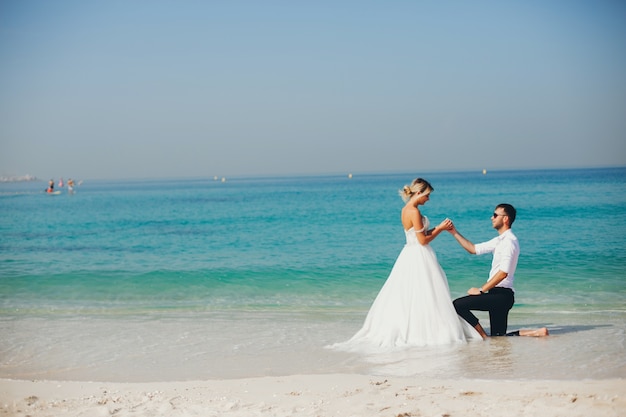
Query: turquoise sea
pixel 180 279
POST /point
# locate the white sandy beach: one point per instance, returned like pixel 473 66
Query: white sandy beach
pixel 315 395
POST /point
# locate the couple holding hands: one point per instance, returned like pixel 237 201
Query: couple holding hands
pixel 413 308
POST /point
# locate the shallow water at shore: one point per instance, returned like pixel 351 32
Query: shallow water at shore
pixel 246 344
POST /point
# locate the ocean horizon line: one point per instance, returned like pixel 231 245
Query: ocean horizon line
pixel 290 176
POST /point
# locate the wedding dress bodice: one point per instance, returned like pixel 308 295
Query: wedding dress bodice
pixel 411 238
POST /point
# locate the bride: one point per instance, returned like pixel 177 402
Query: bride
pixel 413 308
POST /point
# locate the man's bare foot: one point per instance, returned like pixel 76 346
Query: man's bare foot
pixel 535 332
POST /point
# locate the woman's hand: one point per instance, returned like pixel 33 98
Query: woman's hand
pixel 446 225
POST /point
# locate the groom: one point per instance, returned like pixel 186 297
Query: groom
pixel 497 295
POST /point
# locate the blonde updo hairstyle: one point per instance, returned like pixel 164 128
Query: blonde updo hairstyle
pixel 419 186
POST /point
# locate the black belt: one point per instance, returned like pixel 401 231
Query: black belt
pixel 501 289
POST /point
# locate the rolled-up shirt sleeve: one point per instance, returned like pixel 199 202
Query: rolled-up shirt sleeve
pixel 505 249
pixel 486 247
pixel 508 258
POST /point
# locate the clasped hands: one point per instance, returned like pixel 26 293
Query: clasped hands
pixel 446 225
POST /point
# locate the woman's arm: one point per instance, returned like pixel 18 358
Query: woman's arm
pixel 428 236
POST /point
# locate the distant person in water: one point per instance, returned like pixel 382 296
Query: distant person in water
pixel 50 188
pixel 70 186
pixel 497 295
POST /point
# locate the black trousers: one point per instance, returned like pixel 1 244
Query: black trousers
pixel 498 301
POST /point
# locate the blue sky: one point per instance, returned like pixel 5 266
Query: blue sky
pixel 145 89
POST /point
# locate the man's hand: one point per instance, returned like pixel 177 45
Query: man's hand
pixel 474 291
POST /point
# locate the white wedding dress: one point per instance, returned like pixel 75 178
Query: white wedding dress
pixel 413 308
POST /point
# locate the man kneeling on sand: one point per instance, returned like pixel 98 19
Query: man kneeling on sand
pixel 496 295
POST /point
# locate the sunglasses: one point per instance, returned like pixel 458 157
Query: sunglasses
pixel 496 215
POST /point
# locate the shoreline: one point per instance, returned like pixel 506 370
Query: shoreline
pixel 185 351
pixel 315 395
